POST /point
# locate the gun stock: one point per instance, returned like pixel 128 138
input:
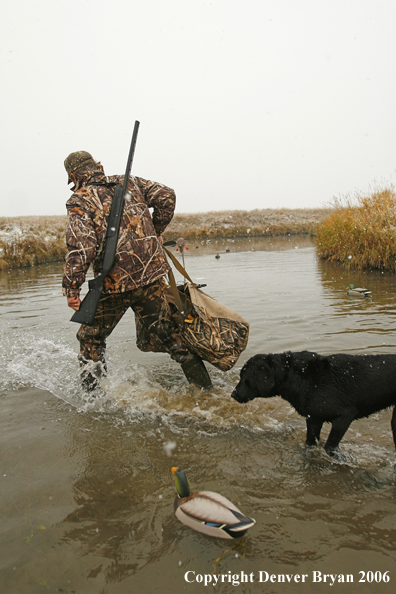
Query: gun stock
pixel 89 305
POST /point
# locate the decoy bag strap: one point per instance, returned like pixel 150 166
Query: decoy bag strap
pixel 210 329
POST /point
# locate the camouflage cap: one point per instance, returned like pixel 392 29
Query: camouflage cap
pixel 77 160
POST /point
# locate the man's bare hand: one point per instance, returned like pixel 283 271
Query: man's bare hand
pixel 74 302
pixel 160 239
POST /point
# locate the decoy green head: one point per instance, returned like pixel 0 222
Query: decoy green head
pixel 351 287
pixel 181 482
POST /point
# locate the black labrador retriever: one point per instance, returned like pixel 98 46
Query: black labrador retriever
pixel 336 389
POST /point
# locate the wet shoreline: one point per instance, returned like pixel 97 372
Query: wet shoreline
pixel 30 241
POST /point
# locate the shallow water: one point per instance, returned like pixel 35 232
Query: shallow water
pixel 86 489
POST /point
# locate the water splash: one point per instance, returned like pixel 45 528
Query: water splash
pixel 138 392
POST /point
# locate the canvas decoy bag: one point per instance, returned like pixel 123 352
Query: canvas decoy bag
pixel 209 329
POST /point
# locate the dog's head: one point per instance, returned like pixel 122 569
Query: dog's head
pixel 257 379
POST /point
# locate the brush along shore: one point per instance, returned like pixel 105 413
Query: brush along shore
pixel 27 241
pixel 361 231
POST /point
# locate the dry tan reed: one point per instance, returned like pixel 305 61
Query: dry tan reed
pixel 27 241
pixel 361 232
pixel 244 223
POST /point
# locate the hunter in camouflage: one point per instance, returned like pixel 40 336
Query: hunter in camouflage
pixel 137 277
pixel 139 258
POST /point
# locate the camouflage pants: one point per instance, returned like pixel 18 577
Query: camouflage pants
pixel 156 329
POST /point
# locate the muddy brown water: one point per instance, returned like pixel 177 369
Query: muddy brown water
pixel 86 493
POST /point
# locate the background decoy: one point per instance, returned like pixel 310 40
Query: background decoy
pixel 353 291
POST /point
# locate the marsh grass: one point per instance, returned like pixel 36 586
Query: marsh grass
pixel 244 223
pixel 361 232
pixel 27 241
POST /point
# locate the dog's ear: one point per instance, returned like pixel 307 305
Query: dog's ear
pixel 269 360
pixel 265 376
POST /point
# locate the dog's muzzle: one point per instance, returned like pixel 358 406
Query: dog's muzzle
pixel 235 396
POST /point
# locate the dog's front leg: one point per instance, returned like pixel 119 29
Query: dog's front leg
pixel 314 427
pixel 339 427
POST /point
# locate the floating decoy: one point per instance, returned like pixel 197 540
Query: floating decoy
pixel 181 245
pixel 228 250
pixel 217 256
pixel 208 512
pixel 353 291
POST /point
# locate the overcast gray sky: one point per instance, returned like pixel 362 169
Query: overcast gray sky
pixel 242 104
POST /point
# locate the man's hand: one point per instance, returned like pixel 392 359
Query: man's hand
pixel 74 302
pixel 160 239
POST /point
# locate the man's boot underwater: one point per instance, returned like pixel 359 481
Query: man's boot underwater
pixel 90 377
pixel 196 373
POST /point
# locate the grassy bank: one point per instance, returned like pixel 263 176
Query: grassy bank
pixel 361 232
pixel 28 241
pixel 246 223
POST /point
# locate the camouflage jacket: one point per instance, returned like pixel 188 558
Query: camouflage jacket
pixel 139 258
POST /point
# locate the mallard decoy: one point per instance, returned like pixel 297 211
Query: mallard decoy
pixel 353 291
pixel 208 512
pixel 217 256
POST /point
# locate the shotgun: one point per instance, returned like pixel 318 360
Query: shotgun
pixel 89 305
